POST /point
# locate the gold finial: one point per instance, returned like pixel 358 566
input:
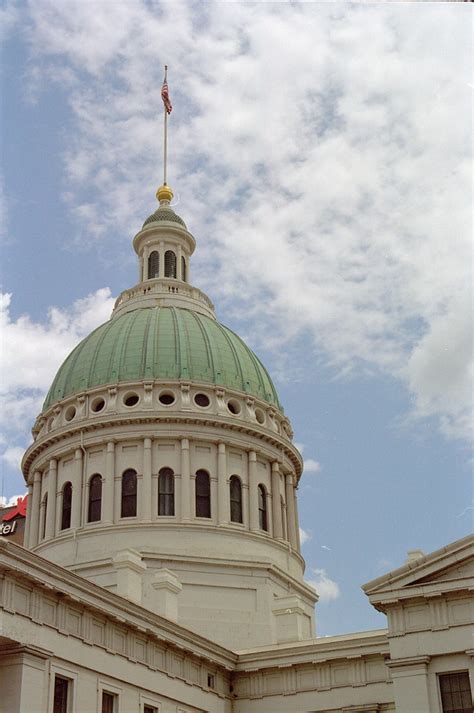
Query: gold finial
pixel 164 194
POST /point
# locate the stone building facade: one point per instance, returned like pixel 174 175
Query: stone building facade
pixel 162 568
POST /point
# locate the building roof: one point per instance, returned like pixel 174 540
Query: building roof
pixel 165 343
pixel 164 212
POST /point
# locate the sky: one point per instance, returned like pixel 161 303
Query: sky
pixel 320 153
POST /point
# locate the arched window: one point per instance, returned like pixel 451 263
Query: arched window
pixel 153 264
pixel 235 488
pixel 166 492
pixel 170 264
pixel 45 511
pixel 203 494
pixel 183 268
pixel 66 511
pixel 262 507
pixel 129 494
pixel 95 498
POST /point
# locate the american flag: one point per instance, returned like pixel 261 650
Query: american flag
pixel 166 97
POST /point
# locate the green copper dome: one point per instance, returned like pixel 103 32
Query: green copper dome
pixel 164 213
pixel 163 343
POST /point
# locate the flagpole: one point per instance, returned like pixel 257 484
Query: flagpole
pixel 165 143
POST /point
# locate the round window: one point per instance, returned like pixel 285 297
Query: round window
pixel 70 413
pixel 201 400
pixel 131 399
pixel 166 398
pixel 97 404
pixel 259 415
pixel 233 406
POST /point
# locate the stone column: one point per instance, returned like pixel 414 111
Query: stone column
pixel 222 485
pixel 145 496
pixel 107 513
pixel 253 491
pixel 59 511
pixel 290 510
pixel 76 519
pixel 185 480
pixel 51 508
pixel 34 510
pixel 276 502
pixel 26 537
pixel 117 496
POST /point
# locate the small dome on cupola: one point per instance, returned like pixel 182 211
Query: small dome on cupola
pixel 164 195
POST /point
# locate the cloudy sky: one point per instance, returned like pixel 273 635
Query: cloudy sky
pixel 320 154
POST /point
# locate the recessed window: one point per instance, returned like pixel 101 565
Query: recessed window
pixel 98 404
pixel 66 508
pixel 170 264
pixel 109 701
pixel 70 413
pixel 129 494
pixel 233 406
pixel 235 489
pixel 131 399
pixel 95 498
pixel 150 709
pixel 201 400
pixel 61 695
pixel 45 512
pixel 262 508
pixel 211 680
pixel 455 692
pixel 203 494
pixel 166 398
pixel 153 264
pixel 183 268
pixel 259 415
pixel 166 492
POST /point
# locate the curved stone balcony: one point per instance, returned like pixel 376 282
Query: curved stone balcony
pixel 163 292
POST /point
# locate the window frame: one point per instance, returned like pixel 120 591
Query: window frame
pixel 153 257
pixel 202 501
pixel 170 264
pixel 262 508
pixel 66 511
pixel 237 502
pixel 130 499
pixel 166 498
pixel 450 675
pixel 96 477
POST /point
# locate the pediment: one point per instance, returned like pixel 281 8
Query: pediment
pixel 448 568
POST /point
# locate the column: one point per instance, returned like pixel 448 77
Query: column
pixel 290 509
pixel 34 510
pixel 117 496
pixel 26 537
pixel 222 485
pixel 59 511
pixel 185 481
pixel 108 494
pixel 77 490
pixel 145 496
pixel 253 491
pixel 276 501
pixel 51 507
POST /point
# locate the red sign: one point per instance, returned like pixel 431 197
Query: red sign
pixel 19 509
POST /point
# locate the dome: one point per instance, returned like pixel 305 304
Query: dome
pixel 164 213
pixel 163 343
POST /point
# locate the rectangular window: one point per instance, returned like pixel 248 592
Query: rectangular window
pixel 456 692
pixel 61 691
pixel 149 709
pixel 211 681
pixel 109 702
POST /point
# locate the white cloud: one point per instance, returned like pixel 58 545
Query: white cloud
pixel 327 588
pixel 6 502
pixel 12 456
pixel 304 536
pixel 328 201
pixel 30 354
pixel 311 466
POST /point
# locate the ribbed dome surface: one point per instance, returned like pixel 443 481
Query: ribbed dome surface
pixel 162 343
pixel 164 213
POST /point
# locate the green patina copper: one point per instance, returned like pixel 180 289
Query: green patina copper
pixel 163 343
pixel 164 213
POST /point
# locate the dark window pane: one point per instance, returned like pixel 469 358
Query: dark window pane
pixel 66 511
pixel 166 492
pixel 262 508
pixel 170 264
pixel 108 700
pixel 149 709
pixel 183 269
pixel 153 264
pixel 203 494
pixel 129 494
pixel 235 499
pixel 456 693
pixel 95 498
pixel 45 511
pixel 61 686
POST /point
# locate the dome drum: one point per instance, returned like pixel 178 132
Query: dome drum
pixel 163 292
